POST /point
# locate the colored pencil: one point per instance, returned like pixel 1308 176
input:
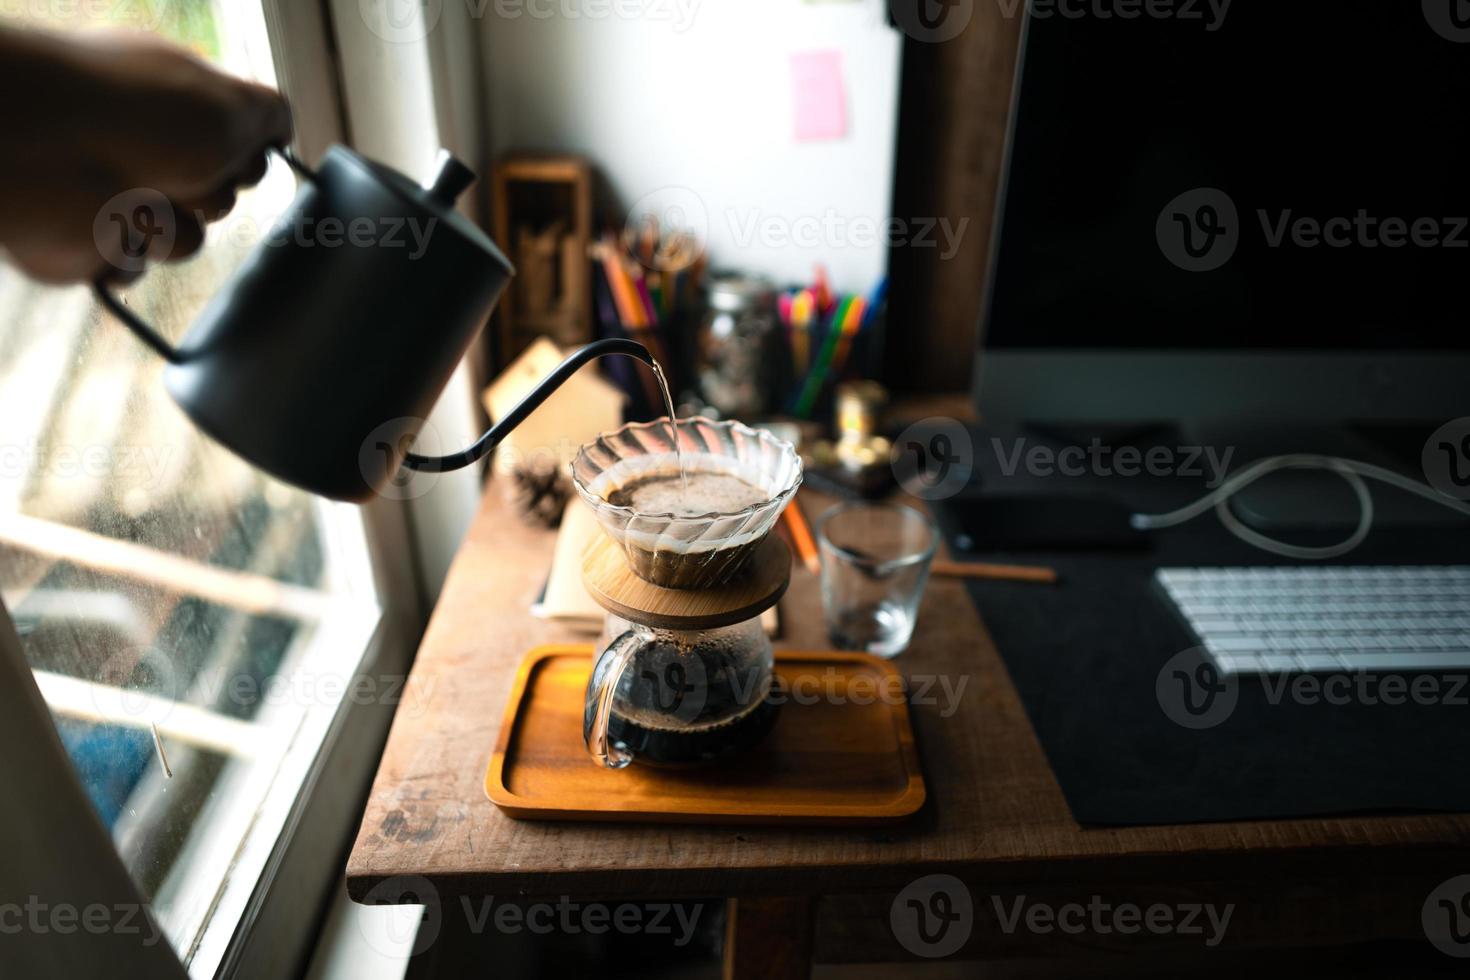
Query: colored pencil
pixel 822 288
pixel 801 536
pixel 618 284
pixel 802 308
pixel 852 323
pixel 818 375
pixel 650 312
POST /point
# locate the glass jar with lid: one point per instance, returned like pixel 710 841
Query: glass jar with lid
pixel 738 346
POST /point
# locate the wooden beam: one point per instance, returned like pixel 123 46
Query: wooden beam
pixel 768 938
pixel 246 591
pixel 87 700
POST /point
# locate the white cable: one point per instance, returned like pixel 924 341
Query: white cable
pixel 1350 470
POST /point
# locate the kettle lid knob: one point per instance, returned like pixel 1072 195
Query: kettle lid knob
pixel 451 178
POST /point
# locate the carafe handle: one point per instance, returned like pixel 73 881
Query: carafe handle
pixel 601 691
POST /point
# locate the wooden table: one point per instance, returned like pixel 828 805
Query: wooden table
pixel 995 817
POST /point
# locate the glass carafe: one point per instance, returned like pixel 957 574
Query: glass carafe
pixel 677 697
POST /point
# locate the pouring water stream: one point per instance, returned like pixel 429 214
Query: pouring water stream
pixel 663 384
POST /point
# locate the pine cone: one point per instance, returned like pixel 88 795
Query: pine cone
pixel 539 493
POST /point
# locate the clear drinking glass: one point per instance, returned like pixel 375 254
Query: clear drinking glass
pixel 875 562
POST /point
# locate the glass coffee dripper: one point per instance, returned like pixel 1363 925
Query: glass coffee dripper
pixel 696 548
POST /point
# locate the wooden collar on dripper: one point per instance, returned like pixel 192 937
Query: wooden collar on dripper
pixel 617 589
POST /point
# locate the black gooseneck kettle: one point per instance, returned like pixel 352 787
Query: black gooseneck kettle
pixel 321 357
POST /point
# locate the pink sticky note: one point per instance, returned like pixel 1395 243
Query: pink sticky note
pixel 821 107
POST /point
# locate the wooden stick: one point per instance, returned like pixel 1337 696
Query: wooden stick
pixel 1000 573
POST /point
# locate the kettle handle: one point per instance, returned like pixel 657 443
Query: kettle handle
pixel 597 714
pixel 527 405
pixel 135 323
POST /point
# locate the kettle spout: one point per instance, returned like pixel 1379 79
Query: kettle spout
pixel 529 404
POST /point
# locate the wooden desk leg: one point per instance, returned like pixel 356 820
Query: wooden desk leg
pixel 768 938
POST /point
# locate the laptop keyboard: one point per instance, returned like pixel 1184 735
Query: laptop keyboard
pixel 1326 618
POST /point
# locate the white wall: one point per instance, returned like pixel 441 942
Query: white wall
pixel 697 94
pixel 388 91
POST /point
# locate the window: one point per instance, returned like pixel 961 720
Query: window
pixel 194 625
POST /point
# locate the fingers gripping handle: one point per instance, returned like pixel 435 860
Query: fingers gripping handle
pixel 114 304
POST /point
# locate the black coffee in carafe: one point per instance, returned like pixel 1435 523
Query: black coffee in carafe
pixel 686 698
pixel 687 746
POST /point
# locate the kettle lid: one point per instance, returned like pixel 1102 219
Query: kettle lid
pixel 436 198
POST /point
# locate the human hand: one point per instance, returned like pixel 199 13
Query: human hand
pixel 127 123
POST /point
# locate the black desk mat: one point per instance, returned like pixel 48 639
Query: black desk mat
pixel 1087 654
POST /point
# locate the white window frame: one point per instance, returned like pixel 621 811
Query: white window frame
pixel 263 922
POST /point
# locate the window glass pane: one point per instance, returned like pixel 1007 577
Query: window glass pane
pixel 174 603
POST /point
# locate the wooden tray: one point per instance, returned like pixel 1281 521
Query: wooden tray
pixel 828 761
